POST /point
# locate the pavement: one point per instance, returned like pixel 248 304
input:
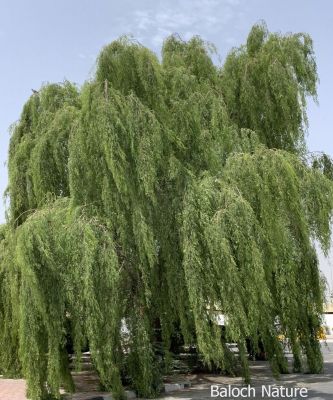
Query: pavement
pixel 319 387
pixel 12 389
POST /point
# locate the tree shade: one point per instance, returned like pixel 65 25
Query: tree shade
pixel 158 193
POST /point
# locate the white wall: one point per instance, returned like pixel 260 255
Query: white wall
pixel 328 321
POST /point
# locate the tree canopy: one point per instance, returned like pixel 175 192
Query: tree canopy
pixel 162 191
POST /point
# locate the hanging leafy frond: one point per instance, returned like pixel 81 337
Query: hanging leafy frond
pixel 265 85
pixel 38 149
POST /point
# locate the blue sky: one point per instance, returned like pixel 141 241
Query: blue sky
pixel 49 41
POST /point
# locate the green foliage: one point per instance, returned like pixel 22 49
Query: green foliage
pixel 9 304
pixel 38 154
pixel 155 195
pixel 265 85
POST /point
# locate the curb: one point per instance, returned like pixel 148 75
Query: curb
pixel 175 387
pixel 100 396
pixel 166 388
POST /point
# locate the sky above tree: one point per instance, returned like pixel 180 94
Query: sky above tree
pixel 50 42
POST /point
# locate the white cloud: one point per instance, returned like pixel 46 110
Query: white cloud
pixel 233 2
pixel 204 17
pixel 84 56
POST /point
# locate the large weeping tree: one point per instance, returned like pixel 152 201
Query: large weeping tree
pixel 157 194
